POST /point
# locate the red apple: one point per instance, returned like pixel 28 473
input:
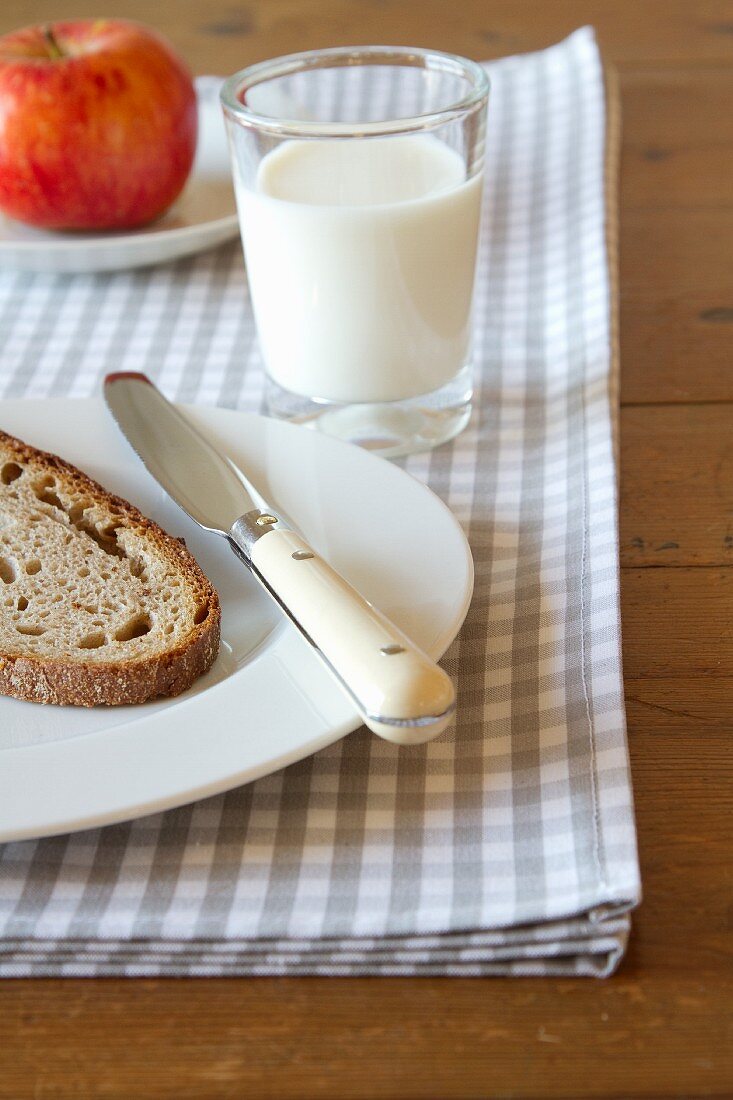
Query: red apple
pixel 97 125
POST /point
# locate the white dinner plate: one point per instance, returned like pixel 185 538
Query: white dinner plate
pixel 267 701
pixel 204 216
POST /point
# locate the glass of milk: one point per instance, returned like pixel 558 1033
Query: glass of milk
pixel 358 175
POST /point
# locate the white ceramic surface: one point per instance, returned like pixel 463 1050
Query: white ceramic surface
pixel 267 701
pixel 204 216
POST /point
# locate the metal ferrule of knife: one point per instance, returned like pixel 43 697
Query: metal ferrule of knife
pixel 399 691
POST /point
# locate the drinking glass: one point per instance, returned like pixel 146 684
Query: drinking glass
pixel 358 176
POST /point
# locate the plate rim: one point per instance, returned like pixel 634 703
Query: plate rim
pixel 281 654
pixel 62 244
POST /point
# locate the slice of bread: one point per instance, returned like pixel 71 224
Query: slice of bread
pixel 97 603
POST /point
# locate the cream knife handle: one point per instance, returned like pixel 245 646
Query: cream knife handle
pixel 401 693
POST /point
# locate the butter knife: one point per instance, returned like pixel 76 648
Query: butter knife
pixel 400 693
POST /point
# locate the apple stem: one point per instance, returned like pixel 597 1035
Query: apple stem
pixel 54 50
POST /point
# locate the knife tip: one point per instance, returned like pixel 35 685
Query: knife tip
pixel 126 375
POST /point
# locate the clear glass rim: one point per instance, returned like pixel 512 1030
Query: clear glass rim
pixel 342 56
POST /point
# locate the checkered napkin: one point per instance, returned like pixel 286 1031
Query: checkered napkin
pixel 508 848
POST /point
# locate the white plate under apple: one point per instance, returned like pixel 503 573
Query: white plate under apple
pixel 268 701
pixel 203 217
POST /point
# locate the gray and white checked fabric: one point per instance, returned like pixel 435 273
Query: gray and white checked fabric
pixel 506 849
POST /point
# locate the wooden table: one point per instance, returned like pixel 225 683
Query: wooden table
pixel 658 1028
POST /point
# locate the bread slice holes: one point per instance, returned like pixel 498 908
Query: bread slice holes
pixel 44 491
pixel 7 571
pixel 105 537
pixel 76 511
pixel 31 631
pixel 32 567
pixel 49 497
pixel 10 472
pixel 83 572
pixel 202 614
pixel 169 628
pixel 137 568
pixel 93 641
pixel 22 603
pixel 135 628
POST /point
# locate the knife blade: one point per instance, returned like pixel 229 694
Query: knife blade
pixel 399 691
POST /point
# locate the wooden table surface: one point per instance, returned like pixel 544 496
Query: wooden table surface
pixel 660 1027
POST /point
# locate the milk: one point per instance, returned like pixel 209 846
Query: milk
pixel 360 255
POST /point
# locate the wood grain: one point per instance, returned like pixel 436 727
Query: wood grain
pixel 677 154
pixel 221 36
pixel 676 303
pixel 676 346
pixel 676 323
pixel 650 1033
pixel 670 454
pixel 677 623
pixel 661 1027
pixel 669 252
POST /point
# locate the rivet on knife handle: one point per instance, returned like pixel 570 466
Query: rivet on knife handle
pixel 401 693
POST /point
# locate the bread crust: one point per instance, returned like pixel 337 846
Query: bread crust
pixel 72 681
